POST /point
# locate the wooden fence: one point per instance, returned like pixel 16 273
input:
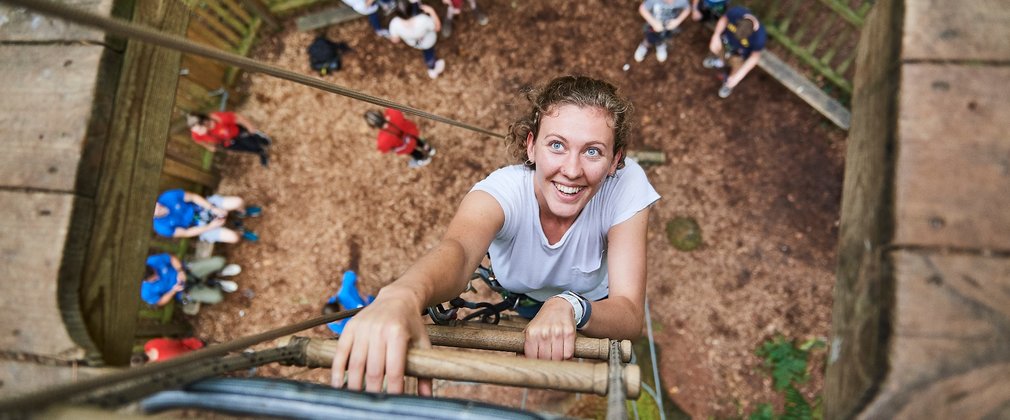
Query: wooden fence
pixel 822 35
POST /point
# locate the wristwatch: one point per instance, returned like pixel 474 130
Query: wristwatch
pixel 580 305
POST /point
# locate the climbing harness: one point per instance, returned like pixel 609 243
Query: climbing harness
pixel 139 32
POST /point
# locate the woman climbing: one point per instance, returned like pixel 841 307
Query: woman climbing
pixel 566 227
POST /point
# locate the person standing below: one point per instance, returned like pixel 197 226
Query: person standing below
pixel 455 7
pixel 228 130
pixel 662 20
pixel 399 135
pixel 418 30
pixel 166 278
pixel 182 214
pixel 739 39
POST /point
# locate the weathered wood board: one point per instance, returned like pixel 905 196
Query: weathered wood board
pixel 30 376
pixel 950 343
pixel 952 176
pixel 33 230
pixel 48 92
pixel 21 25
pixel 963 30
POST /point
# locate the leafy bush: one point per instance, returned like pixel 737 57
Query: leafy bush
pixel 787 365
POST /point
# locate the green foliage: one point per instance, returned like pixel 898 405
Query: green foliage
pixel 763 412
pixel 787 364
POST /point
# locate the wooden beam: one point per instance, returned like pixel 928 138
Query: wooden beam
pixel 937 30
pixel 48 92
pixel 952 182
pixel 326 17
pixel 20 25
pixel 130 174
pixel 34 228
pixel 263 12
pixel 20 377
pixel 949 353
pixel 857 356
pixel 810 93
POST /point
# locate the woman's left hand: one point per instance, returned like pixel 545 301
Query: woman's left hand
pixel 551 334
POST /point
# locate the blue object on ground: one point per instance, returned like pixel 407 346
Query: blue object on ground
pixel 349 298
pixel 250 235
pixel 252 211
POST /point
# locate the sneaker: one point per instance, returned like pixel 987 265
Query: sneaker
pixel 230 270
pixel 227 286
pixel 482 18
pixel 424 161
pixel 384 33
pixel 439 68
pixel 413 163
pixel 713 63
pixel 251 211
pixel 431 151
pixel 250 235
pixel 661 52
pixel 641 51
pixel 724 91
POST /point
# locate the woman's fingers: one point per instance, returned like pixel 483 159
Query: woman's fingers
pixel 356 364
pixel 375 365
pixel 340 359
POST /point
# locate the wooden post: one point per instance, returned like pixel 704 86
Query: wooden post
pixel 131 167
pixel 494 369
pixel 921 309
pixel 503 340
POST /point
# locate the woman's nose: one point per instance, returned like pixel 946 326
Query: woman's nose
pixel 572 167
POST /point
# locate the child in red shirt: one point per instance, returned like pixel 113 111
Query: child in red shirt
pixel 399 135
pixel 228 130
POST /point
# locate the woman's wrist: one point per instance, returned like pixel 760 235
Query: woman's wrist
pixel 402 294
pixel 582 309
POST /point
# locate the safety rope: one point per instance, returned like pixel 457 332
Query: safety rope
pixel 144 34
pixel 66 392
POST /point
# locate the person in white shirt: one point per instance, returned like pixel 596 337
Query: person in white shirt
pixel 418 30
pixel 566 226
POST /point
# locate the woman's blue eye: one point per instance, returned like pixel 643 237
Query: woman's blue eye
pixel 594 152
pixel 556 146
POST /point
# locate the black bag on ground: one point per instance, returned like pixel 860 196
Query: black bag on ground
pixel 324 55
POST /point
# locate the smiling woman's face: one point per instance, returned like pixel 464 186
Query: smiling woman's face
pixel 573 153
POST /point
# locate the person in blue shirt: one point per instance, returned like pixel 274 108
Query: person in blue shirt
pixel 182 214
pixel 166 277
pixel 738 41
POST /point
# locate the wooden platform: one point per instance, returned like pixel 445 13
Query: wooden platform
pixel 921 323
pixel 85 118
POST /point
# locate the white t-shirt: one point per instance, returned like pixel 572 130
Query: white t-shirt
pixel 418 31
pixel 524 261
pixel 362 7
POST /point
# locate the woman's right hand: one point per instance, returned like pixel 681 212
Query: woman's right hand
pixel 374 345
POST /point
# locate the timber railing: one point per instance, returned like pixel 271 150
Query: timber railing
pixel 822 35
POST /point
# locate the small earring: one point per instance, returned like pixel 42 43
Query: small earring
pixel 528 162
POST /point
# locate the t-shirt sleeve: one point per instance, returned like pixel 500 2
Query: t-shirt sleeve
pixel 632 193
pixel 758 40
pixel 505 186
